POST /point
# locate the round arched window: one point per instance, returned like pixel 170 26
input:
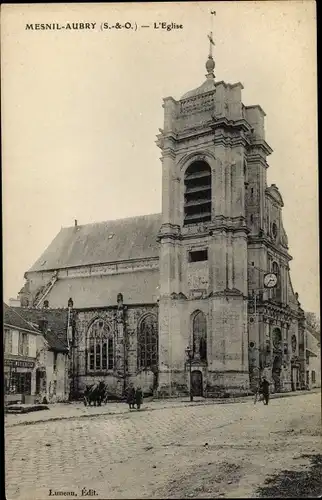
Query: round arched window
pixel 274 230
pixel 277 338
pixel 294 343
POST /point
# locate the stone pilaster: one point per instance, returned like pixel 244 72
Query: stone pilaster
pixel 120 348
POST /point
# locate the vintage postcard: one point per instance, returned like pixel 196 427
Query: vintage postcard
pixel 161 311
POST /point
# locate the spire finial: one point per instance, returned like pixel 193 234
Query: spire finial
pixel 210 64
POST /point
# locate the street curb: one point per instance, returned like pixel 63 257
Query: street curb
pixel 185 405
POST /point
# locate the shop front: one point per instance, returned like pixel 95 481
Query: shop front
pixel 19 379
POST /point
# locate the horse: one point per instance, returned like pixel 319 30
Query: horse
pixel 95 393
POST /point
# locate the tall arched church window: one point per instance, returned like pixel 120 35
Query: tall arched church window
pixel 197 200
pixel 276 292
pixel 277 338
pixel 199 336
pixel 148 343
pixel 100 347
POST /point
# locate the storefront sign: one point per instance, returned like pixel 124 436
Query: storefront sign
pixel 19 363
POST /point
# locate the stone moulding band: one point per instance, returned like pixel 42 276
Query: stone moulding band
pixel 109 269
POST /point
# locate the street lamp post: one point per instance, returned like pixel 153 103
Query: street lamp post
pixel 189 356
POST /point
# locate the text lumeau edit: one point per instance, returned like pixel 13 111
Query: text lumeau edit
pixel 84 493
pixel 103 26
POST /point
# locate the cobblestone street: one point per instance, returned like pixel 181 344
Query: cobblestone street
pixel 199 451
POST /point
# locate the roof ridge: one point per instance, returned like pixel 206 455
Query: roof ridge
pixel 113 220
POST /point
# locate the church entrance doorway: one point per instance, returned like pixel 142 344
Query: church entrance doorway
pixel 295 379
pixel 276 373
pixel 196 383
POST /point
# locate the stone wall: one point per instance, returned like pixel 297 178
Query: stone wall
pixel 114 378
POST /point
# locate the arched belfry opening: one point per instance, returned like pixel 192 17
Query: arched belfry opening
pixel 197 197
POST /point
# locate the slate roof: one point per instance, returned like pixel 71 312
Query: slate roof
pixel 12 317
pixel 102 242
pixel 57 324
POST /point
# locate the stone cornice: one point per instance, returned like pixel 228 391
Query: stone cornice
pixel 220 224
pixel 239 128
pixel 263 240
pixel 274 310
pixel 257 158
pixel 232 125
pixel 168 153
pixel 109 269
pixel 169 230
pixel 228 292
pixel 262 145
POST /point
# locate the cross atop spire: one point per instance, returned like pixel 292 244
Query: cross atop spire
pixel 211 43
pixel 210 64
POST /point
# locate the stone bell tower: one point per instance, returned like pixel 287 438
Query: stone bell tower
pixel 203 240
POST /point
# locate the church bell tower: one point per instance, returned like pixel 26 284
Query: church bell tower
pixel 203 239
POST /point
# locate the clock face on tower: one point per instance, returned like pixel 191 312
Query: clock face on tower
pixel 270 280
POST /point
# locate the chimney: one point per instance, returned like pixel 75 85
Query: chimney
pixel 75 222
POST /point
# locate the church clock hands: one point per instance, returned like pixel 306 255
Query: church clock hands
pixel 270 280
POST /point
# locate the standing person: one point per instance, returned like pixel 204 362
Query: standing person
pixel 265 390
pixel 131 397
pixel 258 392
pixel 138 397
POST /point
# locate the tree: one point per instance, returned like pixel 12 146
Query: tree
pixel 314 323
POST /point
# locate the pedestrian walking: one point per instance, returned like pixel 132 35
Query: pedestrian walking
pixel 265 390
pixel 138 398
pixel 258 393
pixel 130 399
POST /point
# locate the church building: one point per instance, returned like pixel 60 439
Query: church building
pixel 210 273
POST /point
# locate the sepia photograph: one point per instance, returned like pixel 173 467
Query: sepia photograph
pixel 161 295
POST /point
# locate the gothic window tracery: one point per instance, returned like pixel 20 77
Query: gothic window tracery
pixel 199 334
pixel 148 343
pixel 197 200
pixel 100 346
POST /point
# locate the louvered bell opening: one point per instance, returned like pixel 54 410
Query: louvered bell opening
pixel 197 202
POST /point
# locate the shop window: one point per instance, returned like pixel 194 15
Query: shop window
pixel 21 383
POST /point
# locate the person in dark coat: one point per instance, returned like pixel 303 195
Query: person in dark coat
pixel 265 390
pixel 130 399
pixel 138 397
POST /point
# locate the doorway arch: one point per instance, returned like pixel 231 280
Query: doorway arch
pixel 196 383
pixel 276 372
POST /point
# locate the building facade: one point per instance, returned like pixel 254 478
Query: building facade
pixel 145 288
pixel 36 361
pixel 313 357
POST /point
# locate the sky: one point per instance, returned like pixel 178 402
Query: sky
pixel 81 110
